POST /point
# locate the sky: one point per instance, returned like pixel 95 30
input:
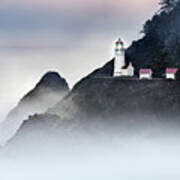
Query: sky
pixel 72 37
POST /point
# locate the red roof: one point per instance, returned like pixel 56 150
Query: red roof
pixel 171 70
pixel 145 71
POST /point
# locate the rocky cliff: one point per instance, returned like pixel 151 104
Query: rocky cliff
pixel 116 98
pixel 48 91
pixel 99 104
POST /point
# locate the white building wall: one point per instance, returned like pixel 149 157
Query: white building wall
pixel 145 76
pixel 121 72
pixel 119 63
pixel 170 76
pixel 130 70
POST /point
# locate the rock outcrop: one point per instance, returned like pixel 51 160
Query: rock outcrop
pixel 49 91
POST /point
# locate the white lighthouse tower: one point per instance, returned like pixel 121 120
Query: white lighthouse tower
pixel 119 63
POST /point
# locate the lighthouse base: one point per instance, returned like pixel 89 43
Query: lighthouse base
pixel 123 72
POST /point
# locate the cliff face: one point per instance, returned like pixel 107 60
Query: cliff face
pixel 70 105
pixel 103 105
pixel 109 107
pixel 116 98
pixel 51 84
pixel 49 90
pixel 99 95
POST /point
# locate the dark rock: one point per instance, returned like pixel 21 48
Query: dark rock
pixel 49 91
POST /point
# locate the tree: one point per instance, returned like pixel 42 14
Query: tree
pixel 167 5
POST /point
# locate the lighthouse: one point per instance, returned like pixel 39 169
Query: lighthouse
pixel 120 68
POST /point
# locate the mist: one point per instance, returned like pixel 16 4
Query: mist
pixel 122 157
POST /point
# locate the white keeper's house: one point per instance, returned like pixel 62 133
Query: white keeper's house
pixel 171 73
pixel 145 74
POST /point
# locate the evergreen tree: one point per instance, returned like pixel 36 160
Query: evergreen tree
pixel 160 46
pixel 167 5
